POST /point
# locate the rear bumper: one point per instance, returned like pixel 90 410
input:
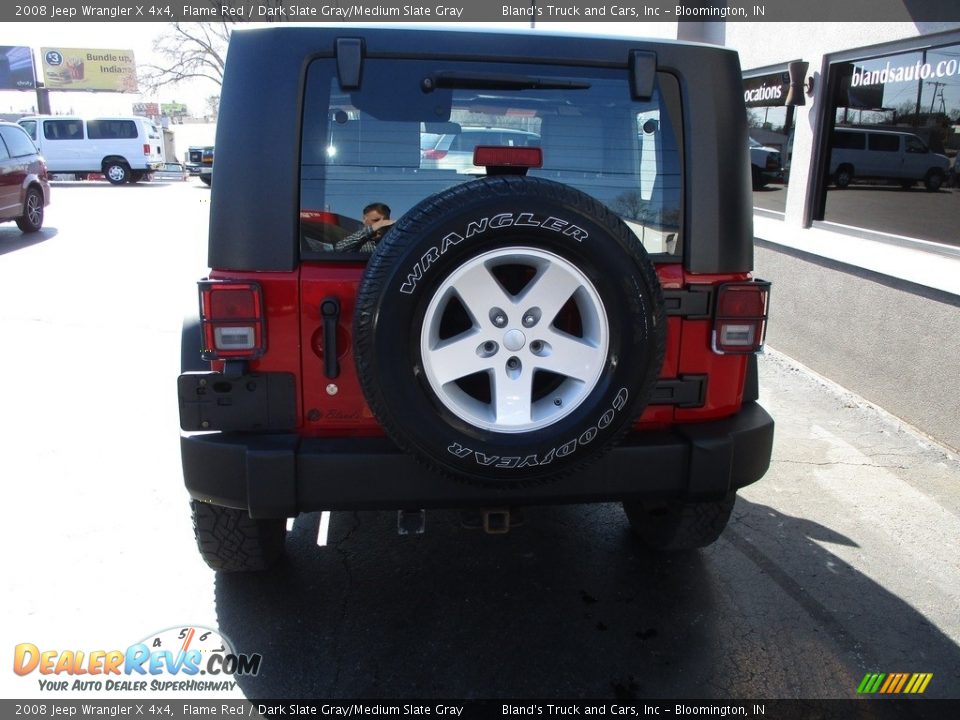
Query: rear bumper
pixel 281 475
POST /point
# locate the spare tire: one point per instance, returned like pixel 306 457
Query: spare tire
pixel 508 330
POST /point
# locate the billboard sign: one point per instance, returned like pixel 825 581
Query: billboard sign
pixel 174 109
pixel 89 69
pixel 149 109
pixel 16 68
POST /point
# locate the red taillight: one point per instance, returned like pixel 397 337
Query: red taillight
pixel 500 156
pixel 434 154
pixel 231 319
pixel 321 217
pixel 740 323
pixel 146 148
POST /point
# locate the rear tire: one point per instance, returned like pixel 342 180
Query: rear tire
pixel 116 173
pixel 675 526
pixel 32 219
pixel 933 181
pixel 843 177
pixel 230 540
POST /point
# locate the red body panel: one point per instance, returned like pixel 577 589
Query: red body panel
pixel 336 406
pixel 282 313
pixel 325 411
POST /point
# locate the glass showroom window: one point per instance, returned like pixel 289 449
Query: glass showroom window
pixel 893 144
pixel 770 124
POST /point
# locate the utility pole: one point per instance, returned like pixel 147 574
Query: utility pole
pixel 937 87
pixel 43 94
pixel 43 100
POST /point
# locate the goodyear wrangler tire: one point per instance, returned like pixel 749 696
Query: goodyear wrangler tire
pixel 230 540
pixel 508 330
pixel 677 526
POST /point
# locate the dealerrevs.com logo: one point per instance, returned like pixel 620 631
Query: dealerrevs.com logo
pixel 182 659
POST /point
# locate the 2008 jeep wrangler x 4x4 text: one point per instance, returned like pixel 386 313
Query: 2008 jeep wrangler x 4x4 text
pixel 569 319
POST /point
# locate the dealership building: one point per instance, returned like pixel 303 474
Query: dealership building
pixel 861 234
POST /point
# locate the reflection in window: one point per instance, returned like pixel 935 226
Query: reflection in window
pixel 361 146
pixel 892 163
pixel 770 146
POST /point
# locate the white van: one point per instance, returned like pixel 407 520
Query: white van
pixel 124 149
pixel 885 155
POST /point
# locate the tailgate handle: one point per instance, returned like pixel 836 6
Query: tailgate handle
pixel 330 312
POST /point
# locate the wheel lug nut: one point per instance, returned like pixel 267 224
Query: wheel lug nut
pixel 498 317
pixel 531 317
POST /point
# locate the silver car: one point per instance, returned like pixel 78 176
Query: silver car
pixel 454 151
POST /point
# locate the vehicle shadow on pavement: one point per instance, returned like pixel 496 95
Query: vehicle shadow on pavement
pixel 568 606
pixel 11 239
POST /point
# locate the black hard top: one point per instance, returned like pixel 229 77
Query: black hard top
pixel 254 218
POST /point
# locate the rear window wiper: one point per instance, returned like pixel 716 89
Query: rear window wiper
pixel 485 81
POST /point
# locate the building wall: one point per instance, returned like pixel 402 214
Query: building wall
pixel 878 315
pixel 895 343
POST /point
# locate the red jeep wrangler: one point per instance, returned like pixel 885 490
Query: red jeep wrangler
pixel 567 318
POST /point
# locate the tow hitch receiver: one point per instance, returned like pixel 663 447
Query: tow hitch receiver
pixel 496 521
pixel 411 522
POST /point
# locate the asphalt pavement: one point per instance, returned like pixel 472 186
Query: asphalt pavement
pixel 841 561
pixel 844 559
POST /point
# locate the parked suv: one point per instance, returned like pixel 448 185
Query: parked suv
pixel 578 325
pixel 765 164
pixel 200 162
pixel 24 185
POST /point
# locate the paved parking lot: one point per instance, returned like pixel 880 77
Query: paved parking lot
pixel 843 560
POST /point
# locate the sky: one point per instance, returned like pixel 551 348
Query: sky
pixel 139 37
pixel 136 36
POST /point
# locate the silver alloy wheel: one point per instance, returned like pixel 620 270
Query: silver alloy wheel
pixel 514 362
pixel 34 210
pixel 116 174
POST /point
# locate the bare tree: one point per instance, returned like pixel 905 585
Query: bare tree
pixel 188 51
pixel 192 50
pixel 213 105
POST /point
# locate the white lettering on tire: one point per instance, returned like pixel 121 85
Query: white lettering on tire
pixel 515 462
pixel 481 226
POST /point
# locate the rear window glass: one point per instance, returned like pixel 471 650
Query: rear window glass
pixel 390 142
pixel 30 126
pixel 17 141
